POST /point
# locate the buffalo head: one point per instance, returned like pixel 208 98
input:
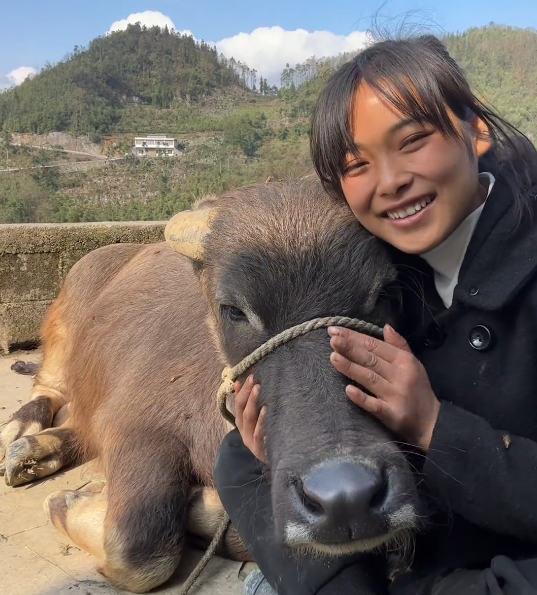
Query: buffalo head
pixel 270 257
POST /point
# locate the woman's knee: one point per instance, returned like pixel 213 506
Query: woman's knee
pixel 224 459
pixel 235 465
pixel 227 459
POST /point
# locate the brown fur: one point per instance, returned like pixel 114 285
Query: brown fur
pixel 150 435
pixel 135 344
pixel 122 417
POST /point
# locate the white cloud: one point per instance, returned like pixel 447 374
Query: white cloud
pixel 269 49
pixel 149 18
pixel 17 76
pixel 266 49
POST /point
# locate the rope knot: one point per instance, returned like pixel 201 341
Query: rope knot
pixel 227 375
pixel 226 388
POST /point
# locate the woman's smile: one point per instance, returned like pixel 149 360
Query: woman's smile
pixel 412 212
pixel 406 182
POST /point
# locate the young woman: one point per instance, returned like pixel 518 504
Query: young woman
pixel 449 185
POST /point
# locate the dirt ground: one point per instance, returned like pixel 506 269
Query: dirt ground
pixel 37 560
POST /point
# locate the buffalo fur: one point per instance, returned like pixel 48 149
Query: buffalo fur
pixel 135 345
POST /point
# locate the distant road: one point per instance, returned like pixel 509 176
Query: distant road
pixel 75 165
pixel 61 150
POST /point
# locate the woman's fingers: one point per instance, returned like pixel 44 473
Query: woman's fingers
pixel 248 418
pixel 354 345
pixel 259 436
pixel 368 403
pixel 242 396
pixel 251 414
pixel 364 376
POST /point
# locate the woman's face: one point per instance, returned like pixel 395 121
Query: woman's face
pixel 410 186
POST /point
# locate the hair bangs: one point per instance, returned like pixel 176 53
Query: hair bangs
pixel 420 80
pixel 331 139
pixel 422 84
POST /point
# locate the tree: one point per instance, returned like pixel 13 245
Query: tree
pixel 89 91
pixel 246 132
pixel 6 143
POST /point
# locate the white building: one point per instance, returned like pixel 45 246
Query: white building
pixel 157 145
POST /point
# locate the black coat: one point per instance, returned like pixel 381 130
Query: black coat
pixel 480 472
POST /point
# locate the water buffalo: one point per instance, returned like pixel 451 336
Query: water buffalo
pixel 135 345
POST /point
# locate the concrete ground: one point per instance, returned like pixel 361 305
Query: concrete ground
pixel 37 560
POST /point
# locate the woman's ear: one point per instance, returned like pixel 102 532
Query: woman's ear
pixel 482 141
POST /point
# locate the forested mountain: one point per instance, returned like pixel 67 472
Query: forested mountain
pixel 499 61
pixel 501 65
pixel 97 90
pixel 151 81
pixel 87 91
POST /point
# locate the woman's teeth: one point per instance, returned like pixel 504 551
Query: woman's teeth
pixel 411 210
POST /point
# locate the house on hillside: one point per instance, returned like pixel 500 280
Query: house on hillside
pixel 157 145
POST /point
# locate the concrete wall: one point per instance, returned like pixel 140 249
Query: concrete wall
pixel 58 140
pixel 34 259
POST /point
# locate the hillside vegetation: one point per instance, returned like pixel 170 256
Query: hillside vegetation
pixel 89 91
pixel 235 128
pixel 500 63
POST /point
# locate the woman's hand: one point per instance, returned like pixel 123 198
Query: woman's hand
pixel 248 418
pixel 404 400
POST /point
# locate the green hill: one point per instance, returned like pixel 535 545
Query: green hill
pixel 89 91
pixel 500 63
pixel 150 81
pixel 498 60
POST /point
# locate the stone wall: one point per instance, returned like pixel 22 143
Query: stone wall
pixel 58 140
pixel 34 259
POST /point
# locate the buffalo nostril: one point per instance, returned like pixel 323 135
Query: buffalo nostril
pixel 344 491
pixel 380 495
pixel 311 503
pixel 308 504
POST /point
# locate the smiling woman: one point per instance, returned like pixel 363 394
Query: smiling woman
pixel 403 181
pixel 449 187
pixel 409 135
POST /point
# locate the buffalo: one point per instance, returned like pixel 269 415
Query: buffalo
pixel 133 351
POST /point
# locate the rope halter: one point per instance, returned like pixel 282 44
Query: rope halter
pixel 229 375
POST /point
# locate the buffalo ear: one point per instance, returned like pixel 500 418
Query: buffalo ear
pixel 384 278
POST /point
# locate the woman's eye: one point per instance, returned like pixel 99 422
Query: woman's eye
pixel 415 138
pixel 355 168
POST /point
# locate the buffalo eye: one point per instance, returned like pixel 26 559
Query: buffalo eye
pixel 235 314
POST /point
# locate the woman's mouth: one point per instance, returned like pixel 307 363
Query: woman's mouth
pixel 411 213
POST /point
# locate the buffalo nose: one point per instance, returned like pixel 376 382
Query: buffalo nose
pixel 344 492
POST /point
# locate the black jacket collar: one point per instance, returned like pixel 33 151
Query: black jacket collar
pixel 500 259
pixel 502 254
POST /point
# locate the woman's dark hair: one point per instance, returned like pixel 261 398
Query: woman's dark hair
pixel 421 80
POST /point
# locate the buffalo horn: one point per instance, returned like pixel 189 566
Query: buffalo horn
pixel 186 231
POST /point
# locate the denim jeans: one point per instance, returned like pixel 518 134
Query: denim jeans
pixel 257 584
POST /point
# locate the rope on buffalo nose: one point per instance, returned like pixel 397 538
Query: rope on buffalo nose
pixel 229 375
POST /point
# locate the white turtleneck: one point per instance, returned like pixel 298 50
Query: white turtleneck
pixel 446 259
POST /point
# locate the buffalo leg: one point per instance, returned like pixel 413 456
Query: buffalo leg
pixel 47 396
pixel 80 516
pixel 39 455
pixel 136 526
pixel 30 419
pixel 204 517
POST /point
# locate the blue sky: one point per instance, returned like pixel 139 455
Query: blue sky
pixel 34 31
